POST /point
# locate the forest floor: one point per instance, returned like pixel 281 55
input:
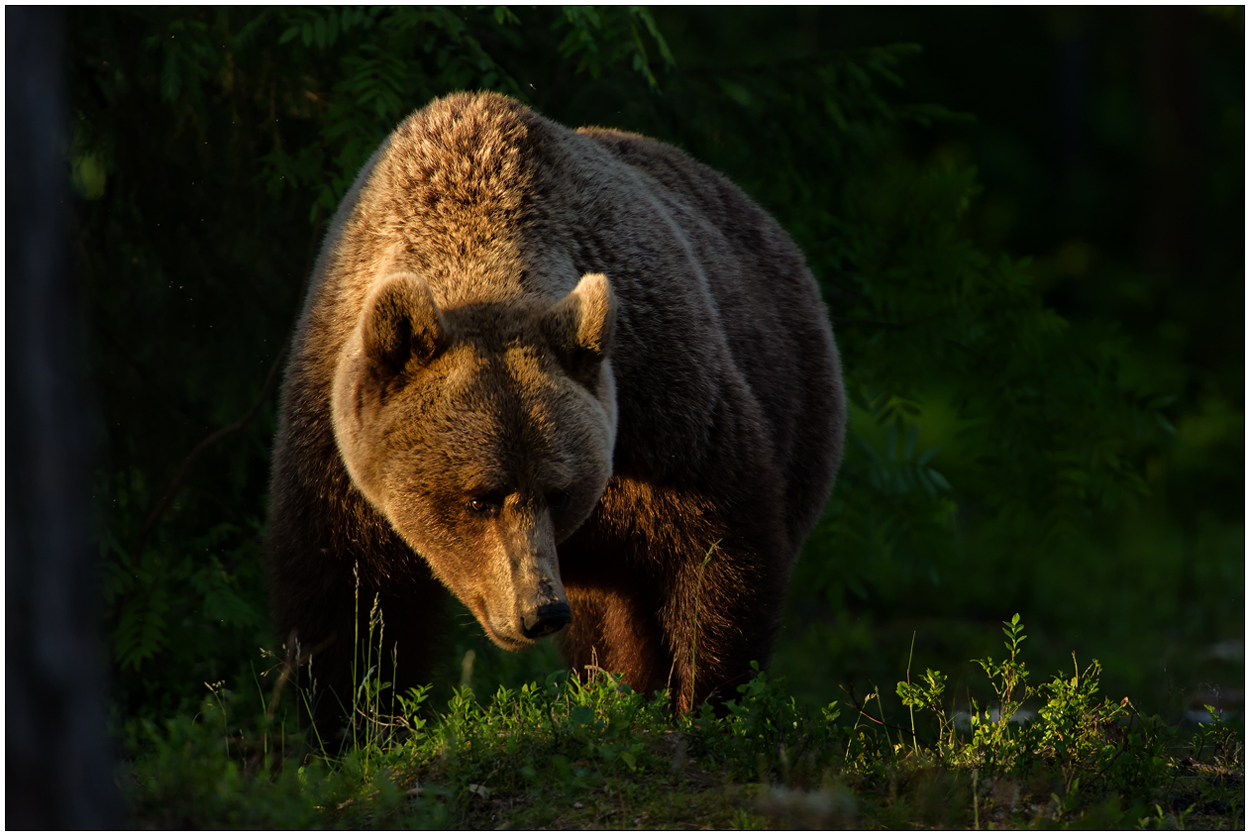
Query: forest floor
pixel 564 755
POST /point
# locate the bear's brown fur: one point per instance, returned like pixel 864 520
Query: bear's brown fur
pixel 551 369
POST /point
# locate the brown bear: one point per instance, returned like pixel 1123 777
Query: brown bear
pixel 576 377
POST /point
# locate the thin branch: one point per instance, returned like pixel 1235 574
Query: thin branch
pixel 816 59
pixel 860 706
pixel 174 484
pixel 900 326
pixel 271 378
pixel 841 320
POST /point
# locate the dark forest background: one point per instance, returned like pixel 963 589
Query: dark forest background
pixel 1027 223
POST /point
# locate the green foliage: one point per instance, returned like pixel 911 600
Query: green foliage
pixel 599 37
pixel 991 734
pixel 1106 747
pixel 186 778
pixel 184 609
pixel 763 732
pixel 1045 430
pixel 561 753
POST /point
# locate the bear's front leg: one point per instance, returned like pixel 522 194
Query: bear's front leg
pixel 721 614
pixel 615 628
pixel 689 621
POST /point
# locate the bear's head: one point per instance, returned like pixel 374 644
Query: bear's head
pixel 484 434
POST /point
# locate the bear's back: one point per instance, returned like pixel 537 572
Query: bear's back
pixel 775 323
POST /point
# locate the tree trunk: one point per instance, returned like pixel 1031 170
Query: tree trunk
pixel 58 758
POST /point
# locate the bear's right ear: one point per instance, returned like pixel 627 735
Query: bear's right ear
pixel 402 323
pixel 579 328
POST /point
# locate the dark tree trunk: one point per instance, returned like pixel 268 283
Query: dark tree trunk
pixel 58 758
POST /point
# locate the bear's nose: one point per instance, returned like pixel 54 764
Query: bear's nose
pixel 546 620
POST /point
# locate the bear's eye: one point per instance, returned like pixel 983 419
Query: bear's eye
pixel 558 501
pixel 482 505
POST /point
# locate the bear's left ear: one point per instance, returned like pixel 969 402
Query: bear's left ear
pixel 579 328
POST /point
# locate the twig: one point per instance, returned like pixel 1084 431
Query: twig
pixel 694 639
pixel 827 56
pixel 291 663
pixel 174 484
pixel 879 323
pixel 859 707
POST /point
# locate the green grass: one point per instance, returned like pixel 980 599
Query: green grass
pixel 560 754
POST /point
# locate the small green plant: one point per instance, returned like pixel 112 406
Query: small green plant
pixel 1222 739
pixel 927 695
pixel 1101 746
pixel 992 728
pixel 763 733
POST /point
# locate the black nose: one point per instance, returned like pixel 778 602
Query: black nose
pixel 545 620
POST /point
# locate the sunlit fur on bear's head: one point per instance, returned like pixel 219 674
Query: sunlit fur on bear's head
pixel 483 433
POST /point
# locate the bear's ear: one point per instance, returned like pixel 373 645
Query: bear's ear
pixel 579 328
pixel 402 323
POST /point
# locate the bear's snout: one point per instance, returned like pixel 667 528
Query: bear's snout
pixel 546 620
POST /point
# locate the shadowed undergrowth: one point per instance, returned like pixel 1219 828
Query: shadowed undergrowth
pixel 562 754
